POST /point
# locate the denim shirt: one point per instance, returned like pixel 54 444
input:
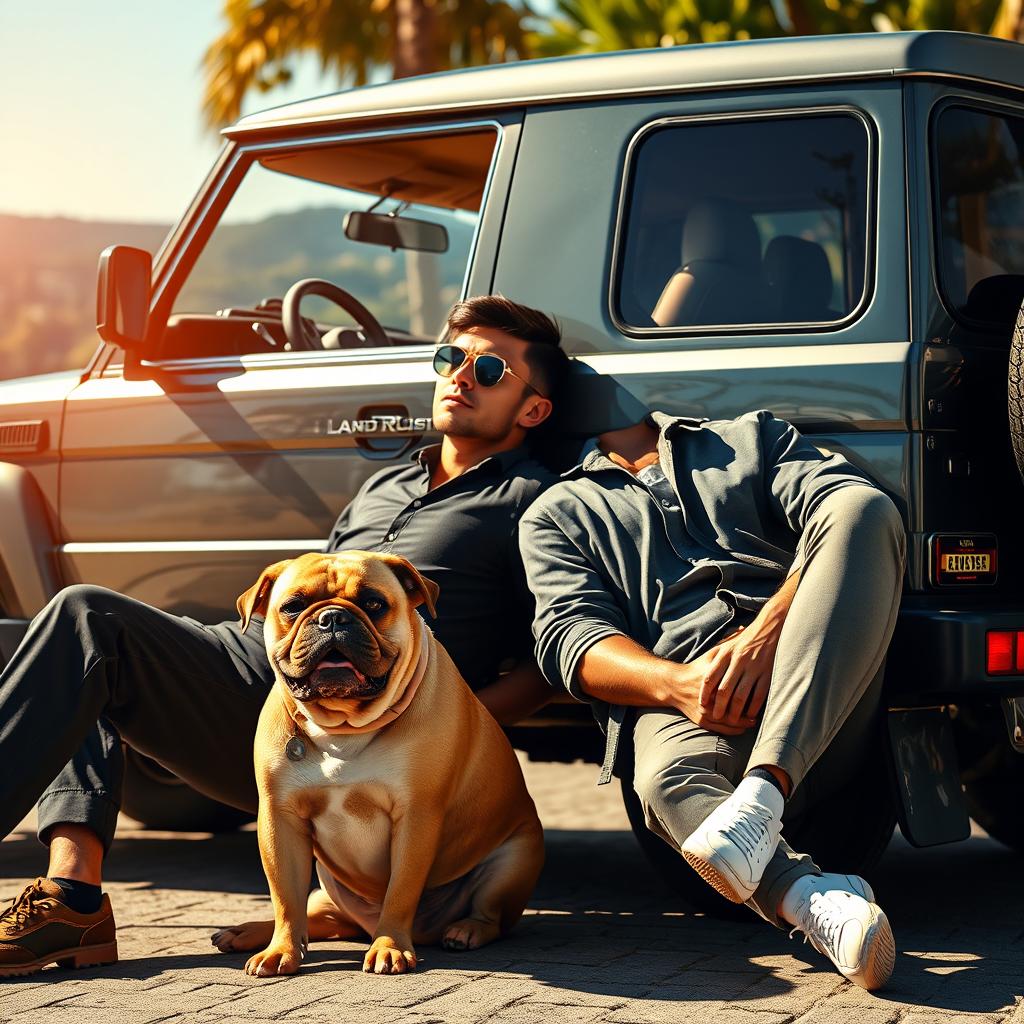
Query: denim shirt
pixel 671 564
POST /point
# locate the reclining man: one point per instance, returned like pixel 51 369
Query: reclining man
pixel 96 667
pixel 723 594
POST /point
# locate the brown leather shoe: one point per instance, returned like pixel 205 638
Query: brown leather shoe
pixel 38 929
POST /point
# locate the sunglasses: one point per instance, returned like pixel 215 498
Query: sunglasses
pixel 487 369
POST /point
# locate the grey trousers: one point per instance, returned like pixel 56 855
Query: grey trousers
pixel 825 688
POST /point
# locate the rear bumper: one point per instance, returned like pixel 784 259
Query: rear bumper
pixel 938 653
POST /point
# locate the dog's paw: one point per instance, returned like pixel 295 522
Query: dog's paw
pixel 243 937
pixel 274 961
pixel 386 956
pixel 469 933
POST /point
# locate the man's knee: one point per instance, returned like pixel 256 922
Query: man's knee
pixel 74 603
pixel 662 787
pixel 84 612
pixel 863 515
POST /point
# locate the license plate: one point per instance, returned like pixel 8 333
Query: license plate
pixel 964 559
pixel 963 562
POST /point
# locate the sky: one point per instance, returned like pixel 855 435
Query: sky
pixel 101 111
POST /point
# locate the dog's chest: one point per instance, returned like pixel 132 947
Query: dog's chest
pixel 348 794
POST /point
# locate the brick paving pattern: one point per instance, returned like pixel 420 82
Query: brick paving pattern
pixel 603 942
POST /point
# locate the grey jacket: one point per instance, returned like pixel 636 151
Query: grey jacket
pixel 671 568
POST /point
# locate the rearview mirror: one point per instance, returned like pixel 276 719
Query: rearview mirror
pixel 395 232
pixel 122 295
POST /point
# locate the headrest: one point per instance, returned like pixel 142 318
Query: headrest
pixel 721 231
pixel 794 266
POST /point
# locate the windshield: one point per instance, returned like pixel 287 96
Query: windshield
pixel 286 220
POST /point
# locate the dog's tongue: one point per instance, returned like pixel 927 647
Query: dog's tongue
pixel 340 663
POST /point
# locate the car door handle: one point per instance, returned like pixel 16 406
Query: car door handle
pixel 390 437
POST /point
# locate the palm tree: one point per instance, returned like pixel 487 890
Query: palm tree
pixel 352 37
pixel 587 26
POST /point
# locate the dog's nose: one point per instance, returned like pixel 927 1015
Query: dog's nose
pixel 333 618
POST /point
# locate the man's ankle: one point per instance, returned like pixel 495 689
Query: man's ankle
pixel 76 854
pixel 775 776
pixel 81 897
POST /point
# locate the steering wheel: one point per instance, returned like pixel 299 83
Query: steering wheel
pixel 297 329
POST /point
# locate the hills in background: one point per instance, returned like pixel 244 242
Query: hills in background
pixel 48 276
pixel 48 288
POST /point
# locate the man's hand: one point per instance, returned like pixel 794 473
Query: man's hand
pixel 723 691
pixel 737 673
pixel 687 692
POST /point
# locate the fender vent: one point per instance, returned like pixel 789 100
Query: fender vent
pixel 23 436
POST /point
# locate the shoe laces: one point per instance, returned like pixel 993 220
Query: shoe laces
pixel 744 832
pixel 26 905
pixel 820 918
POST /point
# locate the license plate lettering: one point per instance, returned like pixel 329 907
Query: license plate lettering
pixel 967 562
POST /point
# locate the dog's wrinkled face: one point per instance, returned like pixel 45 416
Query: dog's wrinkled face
pixel 341 628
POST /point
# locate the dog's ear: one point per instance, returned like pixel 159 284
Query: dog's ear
pixel 254 600
pixel 419 588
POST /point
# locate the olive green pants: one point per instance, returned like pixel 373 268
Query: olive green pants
pixel 825 689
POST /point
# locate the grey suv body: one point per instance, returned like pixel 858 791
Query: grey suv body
pixel 832 229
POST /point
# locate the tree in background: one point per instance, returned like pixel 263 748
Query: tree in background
pixel 589 26
pixel 352 37
pixel 411 37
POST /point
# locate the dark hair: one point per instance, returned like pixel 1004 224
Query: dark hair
pixel 549 365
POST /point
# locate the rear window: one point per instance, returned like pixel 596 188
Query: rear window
pixel 741 222
pixel 979 171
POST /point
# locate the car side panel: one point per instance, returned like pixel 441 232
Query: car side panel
pixel 847 387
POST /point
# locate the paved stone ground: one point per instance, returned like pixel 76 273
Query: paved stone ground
pixel 603 941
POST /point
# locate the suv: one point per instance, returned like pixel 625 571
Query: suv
pixel 831 228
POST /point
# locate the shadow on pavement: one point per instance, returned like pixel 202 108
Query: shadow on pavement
pixel 955 911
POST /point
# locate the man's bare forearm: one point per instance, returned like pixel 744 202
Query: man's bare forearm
pixel 618 670
pixel 773 614
pixel 517 694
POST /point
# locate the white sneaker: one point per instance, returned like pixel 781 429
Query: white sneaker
pixel 839 917
pixel 735 842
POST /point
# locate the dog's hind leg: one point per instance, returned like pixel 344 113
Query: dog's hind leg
pixel 505 887
pixel 326 921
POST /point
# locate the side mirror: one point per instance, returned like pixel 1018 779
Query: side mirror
pixel 395 232
pixel 122 295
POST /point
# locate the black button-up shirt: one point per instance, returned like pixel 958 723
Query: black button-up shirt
pixel 463 535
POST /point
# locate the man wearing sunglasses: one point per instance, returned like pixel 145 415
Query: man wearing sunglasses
pixel 723 594
pixel 96 667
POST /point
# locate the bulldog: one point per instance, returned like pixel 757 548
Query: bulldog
pixel 373 756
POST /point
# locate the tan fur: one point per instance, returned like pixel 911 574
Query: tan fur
pixel 391 813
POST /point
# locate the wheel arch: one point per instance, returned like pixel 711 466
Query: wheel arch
pixel 29 575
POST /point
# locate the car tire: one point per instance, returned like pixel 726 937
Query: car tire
pixel 993 778
pixel 1015 391
pixel 847 833
pixel 994 802
pixel 158 799
pixel 672 869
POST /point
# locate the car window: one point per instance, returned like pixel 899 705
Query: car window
pixel 979 169
pixel 755 221
pixel 286 222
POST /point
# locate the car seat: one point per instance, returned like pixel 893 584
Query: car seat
pixel 799 281
pixel 720 279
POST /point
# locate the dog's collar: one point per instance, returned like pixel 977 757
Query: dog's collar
pixel 295 748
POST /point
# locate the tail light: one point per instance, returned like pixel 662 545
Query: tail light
pixel 1004 652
